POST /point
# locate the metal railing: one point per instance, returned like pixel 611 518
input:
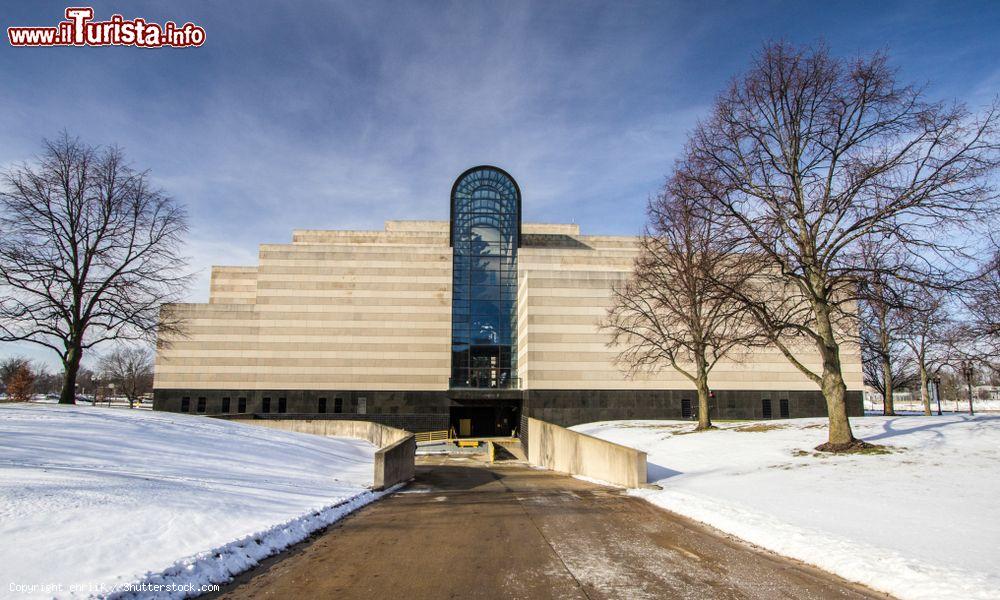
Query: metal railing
pixel 511 383
pixel 432 436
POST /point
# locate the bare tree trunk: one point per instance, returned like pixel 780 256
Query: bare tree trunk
pixel 71 366
pixel 834 391
pixel 925 396
pixel 833 386
pixel 888 407
pixel 704 418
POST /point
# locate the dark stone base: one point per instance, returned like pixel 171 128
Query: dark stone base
pixel 413 411
pixel 430 411
pixel 569 407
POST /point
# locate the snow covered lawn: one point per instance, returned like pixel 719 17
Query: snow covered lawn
pixel 98 497
pixel 921 522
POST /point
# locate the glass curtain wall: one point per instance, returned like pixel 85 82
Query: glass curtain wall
pixel 485 230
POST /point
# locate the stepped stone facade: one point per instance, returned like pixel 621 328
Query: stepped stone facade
pixel 359 325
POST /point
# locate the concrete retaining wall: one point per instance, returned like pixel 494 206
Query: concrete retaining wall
pixel 394 463
pixel 394 458
pixel 560 449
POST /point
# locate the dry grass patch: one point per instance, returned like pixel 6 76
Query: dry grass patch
pixel 760 427
pixel 858 447
pixel 855 447
pixel 696 430
pixel 653 426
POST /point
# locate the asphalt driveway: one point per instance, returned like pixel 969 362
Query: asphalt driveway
pixel 464 529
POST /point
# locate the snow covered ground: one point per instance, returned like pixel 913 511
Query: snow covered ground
pixel 93 498
pixel 947 406
pixel 921 522
pixel 112 402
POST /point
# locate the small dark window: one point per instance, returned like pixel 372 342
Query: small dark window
pixel 338 405
pixel 282 405
pixel 266 406
pixel 201 404
pixel 185 404
pixel 685 409
pixel 783 407
pixel 226 405
pixel 766 408
pixel 322 406
pixel 241 406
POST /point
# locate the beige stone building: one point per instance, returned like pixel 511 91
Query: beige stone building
pixel 472 323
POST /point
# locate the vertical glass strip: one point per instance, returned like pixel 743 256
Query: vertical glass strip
pixel 484 236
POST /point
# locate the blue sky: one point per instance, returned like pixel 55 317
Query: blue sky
pixel 342 115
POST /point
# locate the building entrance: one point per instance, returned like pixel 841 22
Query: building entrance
pixel 494 420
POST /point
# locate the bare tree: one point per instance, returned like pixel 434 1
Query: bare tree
pixel 47 382
pixel 983 303
pixel 901 370
pixel 674 310
pixel 87 381
pixel 966 356
pixel 926 322
pixel 883 320
pixel 130 368
pixel 90 252
pixel 810 155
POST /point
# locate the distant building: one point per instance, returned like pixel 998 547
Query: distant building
pixel 472 323
pixel 986 392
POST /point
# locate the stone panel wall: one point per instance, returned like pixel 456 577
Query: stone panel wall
pixel 365 316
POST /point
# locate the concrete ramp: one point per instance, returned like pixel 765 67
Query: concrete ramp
pixel 467 529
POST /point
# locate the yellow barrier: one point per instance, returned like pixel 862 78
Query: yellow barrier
pixel 432 436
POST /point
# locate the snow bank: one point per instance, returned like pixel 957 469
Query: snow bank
pixel 220 564
pixel 94 499
pixel 920 523
pixel 948 406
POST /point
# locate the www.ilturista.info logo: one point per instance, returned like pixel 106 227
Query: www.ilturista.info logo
pixel 79 29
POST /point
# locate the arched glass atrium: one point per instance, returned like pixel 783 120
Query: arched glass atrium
pixel 485 235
